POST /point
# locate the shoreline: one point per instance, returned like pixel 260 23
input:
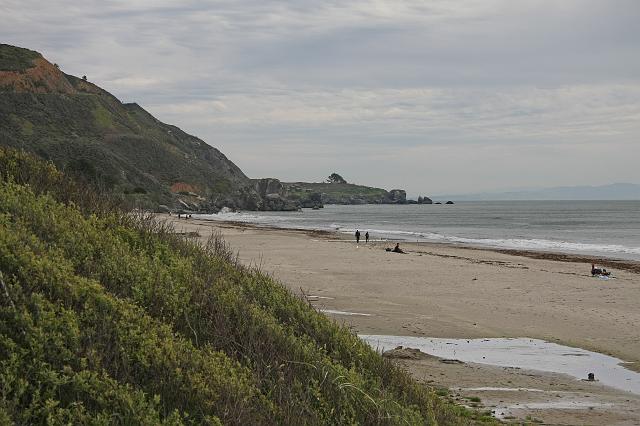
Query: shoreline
pixel 610 262
pixel 622 264
pixel 440 250
pixel 441 290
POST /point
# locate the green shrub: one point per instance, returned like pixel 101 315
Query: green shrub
pixel 111 315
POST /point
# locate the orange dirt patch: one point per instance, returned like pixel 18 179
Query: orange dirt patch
pixel 183 187
pixel 43 77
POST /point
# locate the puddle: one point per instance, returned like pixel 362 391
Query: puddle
pixel 530 354
pixel 331 311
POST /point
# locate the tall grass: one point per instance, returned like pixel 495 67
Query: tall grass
pixel 111 317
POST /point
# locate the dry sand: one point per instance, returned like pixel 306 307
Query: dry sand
pixel 440 290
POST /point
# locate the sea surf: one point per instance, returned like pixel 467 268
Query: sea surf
pixel 601 228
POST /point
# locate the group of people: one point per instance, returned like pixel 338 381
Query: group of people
pixel 366 236
pixel 396 249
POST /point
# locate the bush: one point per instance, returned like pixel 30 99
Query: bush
pixel 110 315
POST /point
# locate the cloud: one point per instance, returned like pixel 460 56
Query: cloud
pixel 520 113
pixel 296 89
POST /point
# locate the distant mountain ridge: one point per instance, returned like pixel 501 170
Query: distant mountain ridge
pixel 122 148
pixel 614 191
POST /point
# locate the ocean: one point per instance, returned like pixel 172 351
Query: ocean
pixel 602 228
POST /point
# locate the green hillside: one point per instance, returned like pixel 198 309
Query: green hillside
pixel 118 147
pixel 110 318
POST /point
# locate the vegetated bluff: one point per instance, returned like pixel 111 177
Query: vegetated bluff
pixel 121 148
pixel 107 317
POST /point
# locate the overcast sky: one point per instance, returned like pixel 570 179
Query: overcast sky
pixel 431 96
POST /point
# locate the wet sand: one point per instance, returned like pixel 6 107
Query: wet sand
pixel 448 291
pixel 514 394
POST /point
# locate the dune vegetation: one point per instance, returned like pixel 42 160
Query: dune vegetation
pixel 109 317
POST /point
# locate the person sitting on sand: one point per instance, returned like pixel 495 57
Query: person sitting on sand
pixel 397 249
pixel 599 271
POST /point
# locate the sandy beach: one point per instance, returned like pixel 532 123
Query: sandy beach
pixel 437 290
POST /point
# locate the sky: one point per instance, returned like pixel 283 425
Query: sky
pixel 429 96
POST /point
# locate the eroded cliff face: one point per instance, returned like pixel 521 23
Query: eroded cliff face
pixel 27 71
pixel 41 77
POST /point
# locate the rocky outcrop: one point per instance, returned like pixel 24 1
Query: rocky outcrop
pixel 269 186
pixel 312 200
pixel 344 193
pixel 273 195
pixel 397 196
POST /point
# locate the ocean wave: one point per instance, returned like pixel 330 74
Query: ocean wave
pixel 542 245
pixel 231 216
pixel 535 244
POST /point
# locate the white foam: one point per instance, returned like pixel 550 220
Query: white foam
pixel 257 219
pixel 544 245
pixel 297 220
pixel 514 243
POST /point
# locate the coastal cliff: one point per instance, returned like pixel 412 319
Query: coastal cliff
pixel 342 193
pixel 122 149
pixel 117 147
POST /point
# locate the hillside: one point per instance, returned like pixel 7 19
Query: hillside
pixel 344 193
pixel 110 317
pixel 120 148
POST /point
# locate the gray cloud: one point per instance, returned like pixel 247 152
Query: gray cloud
pixel 433 96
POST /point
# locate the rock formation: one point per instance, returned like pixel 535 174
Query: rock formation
pixel 397 196
pixel 273 195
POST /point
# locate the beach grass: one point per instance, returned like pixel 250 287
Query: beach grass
pixel 108 316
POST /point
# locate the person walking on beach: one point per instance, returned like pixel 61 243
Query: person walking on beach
pixel 366 237
pixel 357 236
